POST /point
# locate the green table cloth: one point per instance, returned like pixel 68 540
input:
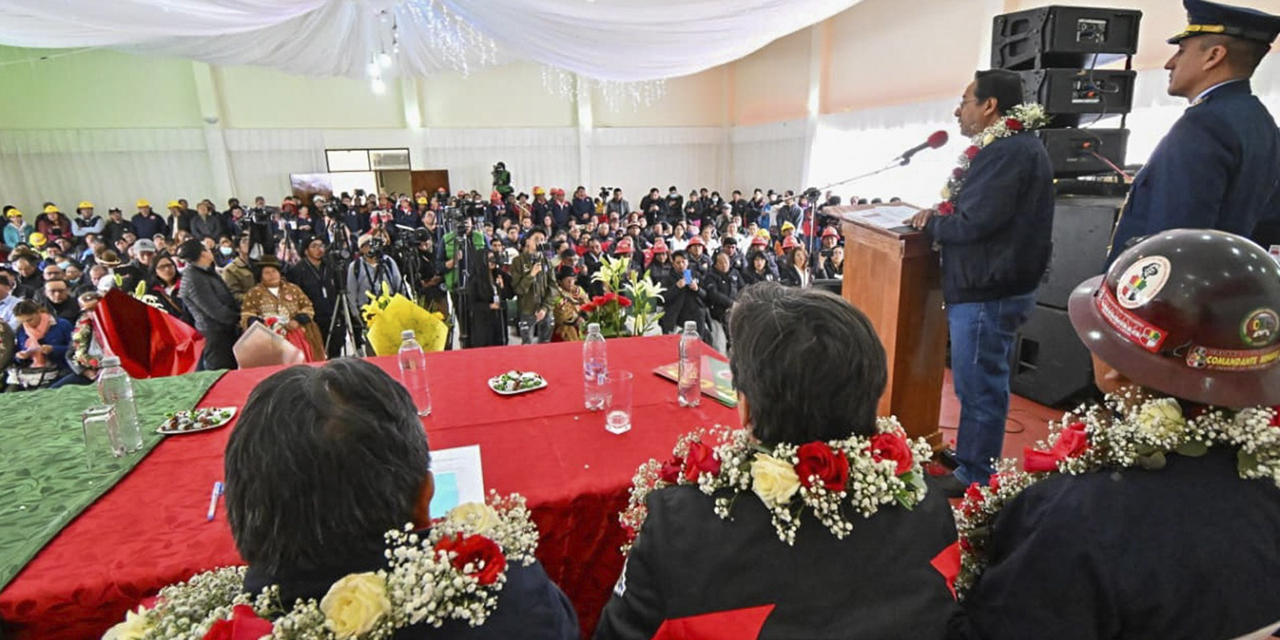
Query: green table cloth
pixel 44 480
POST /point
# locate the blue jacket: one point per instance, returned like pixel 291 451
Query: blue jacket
pixel 998 241
pixel 1217 168
pixel 58 336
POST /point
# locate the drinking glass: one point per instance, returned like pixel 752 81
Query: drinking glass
pixel 102 447
pixel 617 406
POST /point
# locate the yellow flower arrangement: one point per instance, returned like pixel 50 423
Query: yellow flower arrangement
pixel 388 315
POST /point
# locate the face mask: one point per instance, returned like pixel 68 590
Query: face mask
pixel 226 251
pixel 63 265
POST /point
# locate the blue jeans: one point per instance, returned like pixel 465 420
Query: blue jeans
pixel 981 335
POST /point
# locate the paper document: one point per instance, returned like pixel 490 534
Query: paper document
pixel 459 478
pixel 889 216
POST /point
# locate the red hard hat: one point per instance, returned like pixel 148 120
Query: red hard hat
pixel 624 246
pixel 659 246
pixel 790 242
pixel 696 241
pixel 1192 313
pixel 830 232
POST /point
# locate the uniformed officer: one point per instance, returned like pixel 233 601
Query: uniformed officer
pixel 1219 166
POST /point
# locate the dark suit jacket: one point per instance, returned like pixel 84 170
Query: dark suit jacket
pixel 997 243
pixel 1188 552
pixel 875 583
pixel 529 605
pixel 1218 168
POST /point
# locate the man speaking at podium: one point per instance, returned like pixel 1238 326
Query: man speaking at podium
pixel 1219 166
pixel 994 234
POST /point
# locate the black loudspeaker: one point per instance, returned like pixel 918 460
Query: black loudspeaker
pixel 1049 363
pixel 1067 93
pixel 1057 36
pixel 1082 229
pixel 830 285
pixel 1072 150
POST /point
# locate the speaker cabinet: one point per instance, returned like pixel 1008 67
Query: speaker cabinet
pixel 1072 150
pixel 1049 363
pixel 1069 93
pixel 1058 36
pixel 1082 229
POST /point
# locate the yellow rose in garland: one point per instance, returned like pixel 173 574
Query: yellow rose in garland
pixel 355 604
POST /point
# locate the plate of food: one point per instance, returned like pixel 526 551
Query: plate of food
pixel 196 420
pixel 515 382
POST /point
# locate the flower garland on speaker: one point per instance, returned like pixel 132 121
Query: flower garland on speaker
pixel 1024 117
pixel 454 572
pixel 864 472
pixel 1132 429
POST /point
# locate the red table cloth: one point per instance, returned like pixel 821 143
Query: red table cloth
pixel 150 529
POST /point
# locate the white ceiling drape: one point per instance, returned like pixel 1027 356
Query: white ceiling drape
pixel 610 40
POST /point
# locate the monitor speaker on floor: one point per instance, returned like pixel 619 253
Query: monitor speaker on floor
pixel 1050 365
pixel 1081 232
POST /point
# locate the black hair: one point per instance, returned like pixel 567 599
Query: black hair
pixel 679 254
pixel 27 308
pixel 1003 85
pixel 190 251
pixel 323 462
pixel 809 363
pixel 1243 55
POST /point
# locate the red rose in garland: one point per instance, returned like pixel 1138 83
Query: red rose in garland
pixel 946 208
pixel 972 152
pixel 670 471
pixel 474 550
pixel 1071 443
pixel 892 446
pixel 701 458
pixel 831 467
pixel 974 494
pixel 1275 419
pixel 243 625
pixel 1012 124
pixel 957 173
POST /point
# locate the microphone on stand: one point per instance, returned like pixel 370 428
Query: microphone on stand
pixel 936 140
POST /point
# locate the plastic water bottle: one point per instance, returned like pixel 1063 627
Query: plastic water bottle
pixel 116 389
pixel 690 385
pixel 595 366
pixel 413 372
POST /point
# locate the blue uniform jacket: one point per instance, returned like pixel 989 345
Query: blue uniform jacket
pixel 1218 168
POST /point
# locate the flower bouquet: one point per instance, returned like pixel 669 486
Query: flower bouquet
pixel 277 324
pixel 387 316
pixel 630 303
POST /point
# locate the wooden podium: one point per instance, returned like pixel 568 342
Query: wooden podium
pixel 894 276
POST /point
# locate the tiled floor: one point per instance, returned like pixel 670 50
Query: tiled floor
pixel 1028 421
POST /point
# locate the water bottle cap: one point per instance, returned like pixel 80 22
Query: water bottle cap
pixel 110 361
pixel 407 334
pixel 691 326
pixel 594 327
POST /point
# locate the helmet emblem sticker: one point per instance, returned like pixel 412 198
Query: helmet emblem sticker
pixel 1142 281
pixel 1260 328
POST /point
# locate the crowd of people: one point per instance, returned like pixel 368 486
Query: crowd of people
pixel 513 264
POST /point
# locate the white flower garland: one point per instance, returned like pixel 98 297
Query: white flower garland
pixel 863 472
pixel 1133 429
pixel 1022 117
pixel 422 584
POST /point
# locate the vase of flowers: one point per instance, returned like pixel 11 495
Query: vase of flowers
pixel 630 304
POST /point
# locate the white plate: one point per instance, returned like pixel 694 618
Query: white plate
pixel 213 425
pixel 494 381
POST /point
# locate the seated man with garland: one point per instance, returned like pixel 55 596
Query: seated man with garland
pixel 811 521
pixel 327 491
pixel 1155 516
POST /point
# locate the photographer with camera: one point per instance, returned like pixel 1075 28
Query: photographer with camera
pixel 368 273
pixel 535 288
pixel 430 294
pixel 460 248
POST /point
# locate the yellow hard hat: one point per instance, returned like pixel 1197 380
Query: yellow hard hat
pixel 49 208
pixel 422 200
pixel 788 226
pixel 14 213
pixel 174 204
pixel 143 202
pixel 538 191
pixel 37 239
pixel 85 205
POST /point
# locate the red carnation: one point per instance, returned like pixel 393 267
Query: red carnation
pixel 625 302
pixel 946 208
pixel 831 467
pixel 892 446
pixel 1012 124
pixel 587 308
pixel 611 296
pixel 957 173
pixel 972 152
pixel 243 625
pixel 599 301
pixel 701 459
pixel 475 551
pixel 670 471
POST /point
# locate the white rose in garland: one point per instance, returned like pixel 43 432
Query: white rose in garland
pixel 481 518
pixel 773 480
pixel 355 604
